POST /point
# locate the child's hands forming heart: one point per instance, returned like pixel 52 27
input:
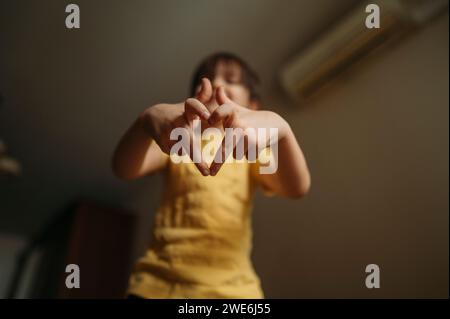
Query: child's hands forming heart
pixel 163 118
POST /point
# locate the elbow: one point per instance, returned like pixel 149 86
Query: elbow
pixel 115 167
pixel 298 193
pixel 119 171
pixel 123 175
pixel 300 190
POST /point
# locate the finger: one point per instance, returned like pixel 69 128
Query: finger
pixel 241 148
pixel 205 92
pixel 197 159
pixel 225 149
pixel 221 96
pixel 193 108
pixel 196 154
pixel 250 150
pixel 223 113
pixel 194 148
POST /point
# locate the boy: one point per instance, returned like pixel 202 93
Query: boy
pixel 201 239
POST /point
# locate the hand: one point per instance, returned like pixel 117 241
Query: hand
pixel 161 119
pixel 235 116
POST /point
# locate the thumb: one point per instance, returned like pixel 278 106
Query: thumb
pixel 221 96
pixel 205 91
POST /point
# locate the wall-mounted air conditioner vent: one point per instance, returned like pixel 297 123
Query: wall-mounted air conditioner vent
pixel 350 40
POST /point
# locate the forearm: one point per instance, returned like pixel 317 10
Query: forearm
pixel 292 177
pixel 136 154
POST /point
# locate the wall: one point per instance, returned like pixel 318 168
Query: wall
pixel 377 144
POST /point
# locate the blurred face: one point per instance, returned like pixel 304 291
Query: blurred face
pixel 228 75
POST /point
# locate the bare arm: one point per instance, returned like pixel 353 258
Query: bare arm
pixel 137 154
pixel 292 178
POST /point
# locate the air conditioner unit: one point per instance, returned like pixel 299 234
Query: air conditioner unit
pixel 350 40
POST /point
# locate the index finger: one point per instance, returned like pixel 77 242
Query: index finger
pixel 194 108
pixel 205 92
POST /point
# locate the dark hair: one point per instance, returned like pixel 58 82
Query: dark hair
pixel 208 66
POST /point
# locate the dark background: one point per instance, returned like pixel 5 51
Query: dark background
pixel 376 139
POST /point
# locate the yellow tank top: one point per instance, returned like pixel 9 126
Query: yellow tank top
pixel 201 237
